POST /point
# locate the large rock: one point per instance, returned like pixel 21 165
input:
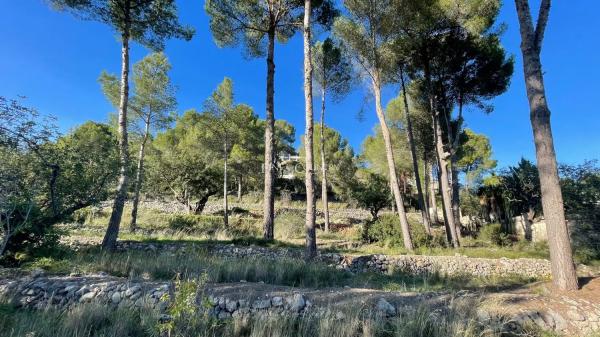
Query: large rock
pixel 384 307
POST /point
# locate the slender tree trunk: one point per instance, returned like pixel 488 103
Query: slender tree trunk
pixel 444 185
pixel 432 197
pixel 239 189
pixel 324 197
pixel 413 152
pixel 561 256
pixel 112 232
pixel 4 245
pixel 456 200
pixel 225 205
pixel 311 238
pixel 269 190
pixel 54 170
pixel 442 160
pixel 385 131
pixel 139 176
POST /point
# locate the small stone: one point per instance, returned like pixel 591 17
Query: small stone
pixel 231 306
pixel 116 298
pixel 277 301
pixel 261 304
pixel 132 290
pixel 135 296
pixel 296 303
pixel 87 297
pixel 575 315
pixel 224 315
pixel 385 307
pixel 37 273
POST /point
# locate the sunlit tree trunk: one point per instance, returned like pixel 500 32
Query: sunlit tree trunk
pixel 456 200
pixel 432 199
pixel 225 205
pixel 311 238
pixel 269 190
pixel 112 232
pixel 415 161
pixel 393 176
pixel 239 189
pixel 324 197
pixel 139 176
pixel 561 256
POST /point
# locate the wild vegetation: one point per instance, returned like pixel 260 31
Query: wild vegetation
pixel 422 182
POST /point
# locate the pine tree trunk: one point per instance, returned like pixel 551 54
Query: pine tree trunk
pixel 239 189
pixel 444 185
pixel 311 238
pixel 561 256
pixel 393 176
pixel 456 200
pixel 324 197
pixel 413 153
pixel 432 197
pixel 112 232
pixel 269 189
pixel 225 205
pixel 139 176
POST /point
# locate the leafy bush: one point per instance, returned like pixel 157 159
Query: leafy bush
pixel 372 194
pixel 386 230
pixel 494 234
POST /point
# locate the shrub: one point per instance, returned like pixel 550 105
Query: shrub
pixel 493 234
pixel 386 230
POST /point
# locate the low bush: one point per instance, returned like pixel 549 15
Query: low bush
pixel 386 230
pixel 494 234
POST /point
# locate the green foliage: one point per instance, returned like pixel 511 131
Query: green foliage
pixel 183 309
pixel 474 156
pixel 44 180
pixel 372 193
pixel 387 232
pixel 580 186
pixel 374 154
pixel 494 234
pixel 248 22
pixel 339 157
pixel 332 69
pixel 152 97
pixel 148 22
pixel 89 161
pixel 179 165
pixel 521 188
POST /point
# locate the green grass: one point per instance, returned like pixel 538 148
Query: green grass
pixel 94 321
pixel 195 260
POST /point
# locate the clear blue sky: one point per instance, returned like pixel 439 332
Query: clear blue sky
pixel 54 60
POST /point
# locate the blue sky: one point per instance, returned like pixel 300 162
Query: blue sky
pixel 54 60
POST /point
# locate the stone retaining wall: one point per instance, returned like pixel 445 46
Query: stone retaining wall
pixel 40 292
pixel 413 264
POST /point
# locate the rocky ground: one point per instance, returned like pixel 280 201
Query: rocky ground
pixel 571 313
